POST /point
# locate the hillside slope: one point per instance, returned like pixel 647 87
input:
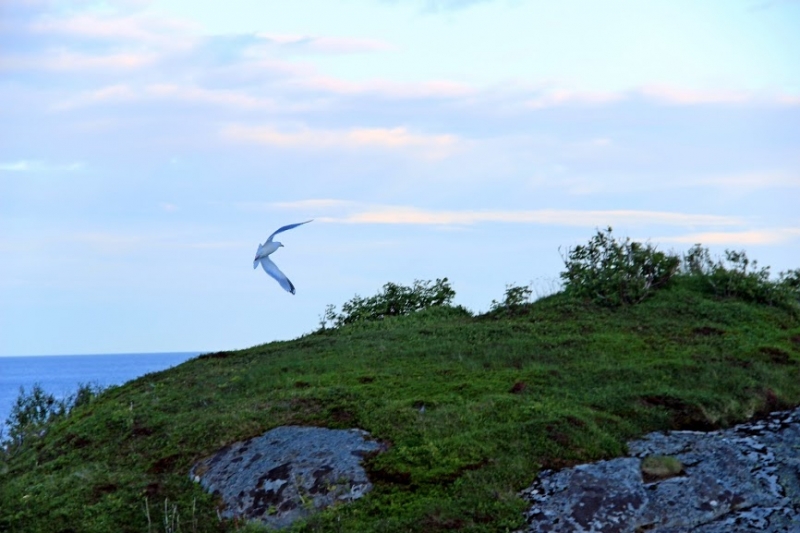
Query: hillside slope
pixel 552 383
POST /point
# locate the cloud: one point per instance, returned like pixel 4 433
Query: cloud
pixel 391 214
pixel 435 6
pixel 557 97
pixel 326 45
pixel 109 94
pixel 738 238
pixel 232 98
pixel 136 29
pixel 386 88
pixel 18 166
pixel 750 181
pixel 680 96
pixel 353 138
pixel 28 165
pixel 121 93
pixel 317 203
pixel 789 99
pixel 551 97
pixel 769 4
pixel 64 60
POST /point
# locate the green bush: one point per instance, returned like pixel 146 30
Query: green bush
pixel 736 276
pixel 34 411
pixel 394 300
pixel 516 296
pixel 615 272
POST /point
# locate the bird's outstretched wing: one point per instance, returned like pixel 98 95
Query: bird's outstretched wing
pixel 271 269
pixel 284 228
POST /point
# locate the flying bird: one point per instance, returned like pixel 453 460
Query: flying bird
pixel 262 256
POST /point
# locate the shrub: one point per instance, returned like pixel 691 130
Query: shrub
pixel 516 296
pixel 394 300
pixel 34 411
pixel 614 272
pixel 736 276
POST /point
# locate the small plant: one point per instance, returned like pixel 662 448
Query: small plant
pixel 394 300
pixel 516 296
pixel 660 467
pixel 614 272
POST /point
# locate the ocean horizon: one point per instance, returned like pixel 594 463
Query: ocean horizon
pixel 61 375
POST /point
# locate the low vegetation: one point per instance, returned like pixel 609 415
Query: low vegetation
pixel 638 340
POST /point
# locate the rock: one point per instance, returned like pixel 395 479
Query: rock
pixel 287 473
pixel 746 478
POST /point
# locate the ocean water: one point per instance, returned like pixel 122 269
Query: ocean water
pixel 60 375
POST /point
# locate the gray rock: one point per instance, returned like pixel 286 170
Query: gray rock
pixel 287 473
pixel 743 479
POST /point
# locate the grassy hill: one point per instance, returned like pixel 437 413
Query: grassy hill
pixel 527 386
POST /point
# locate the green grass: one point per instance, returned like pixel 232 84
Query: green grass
pixel 558 383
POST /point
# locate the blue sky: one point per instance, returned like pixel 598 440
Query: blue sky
pixel 146 148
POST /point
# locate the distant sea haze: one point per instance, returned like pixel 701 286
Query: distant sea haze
pixel 60 375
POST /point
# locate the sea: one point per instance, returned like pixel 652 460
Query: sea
pixel 60 375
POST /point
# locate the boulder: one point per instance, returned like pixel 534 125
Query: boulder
pixel 743 479
pixel 287 473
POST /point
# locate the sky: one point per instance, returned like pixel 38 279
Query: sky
pixel 148 147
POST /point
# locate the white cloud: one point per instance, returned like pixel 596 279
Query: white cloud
pixel 18 166
pixel 64 60
pixel 772 236
pixel 557 97
pixel 232 98
pixel 441 89
pixel 137 29
pixel 121 93
pixel 317 203
pixel 750 181
pixel 358 213
pixel 331 45
pixel 553 96
pixel 681 96
pixel 28 165
pixel 353 138
pixel 109 94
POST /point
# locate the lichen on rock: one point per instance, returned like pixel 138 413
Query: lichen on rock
pixel 287 473
pixel 743 479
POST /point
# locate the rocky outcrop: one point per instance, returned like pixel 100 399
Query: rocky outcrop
pixel 743 479
pixel 287 473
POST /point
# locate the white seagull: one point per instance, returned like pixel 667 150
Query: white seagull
pixel 262 256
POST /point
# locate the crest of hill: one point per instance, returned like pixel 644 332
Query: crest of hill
pixel 470 408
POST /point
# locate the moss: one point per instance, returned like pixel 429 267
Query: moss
pixel 660 467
